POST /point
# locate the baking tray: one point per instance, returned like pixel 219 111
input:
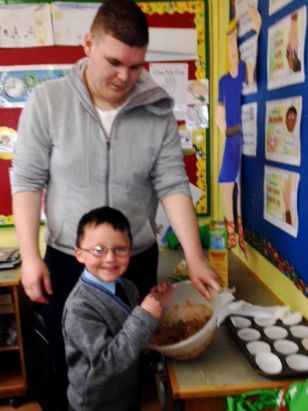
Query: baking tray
pixel 284 356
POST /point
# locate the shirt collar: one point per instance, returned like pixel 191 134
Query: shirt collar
pixel 94 280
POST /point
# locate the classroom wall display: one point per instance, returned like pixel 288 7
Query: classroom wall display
pixel 275 5
pixel 285 56
pixel 25 25
pixel 17 82
pixel 249 128
pixel 8 137
pixel 243 16
pixel 180 62
pixel 249 50
pixel 280 198
pixel 71 21
pixel 279 170
pixel 229 122
pixel 283 120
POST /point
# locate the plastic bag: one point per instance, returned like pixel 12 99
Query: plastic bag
pixel 295 397
pixel 258 400
pixel 292 398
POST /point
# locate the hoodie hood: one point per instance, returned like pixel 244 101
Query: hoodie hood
pixel 146 92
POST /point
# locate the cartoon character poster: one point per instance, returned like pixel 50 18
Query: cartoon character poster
pixel 229 121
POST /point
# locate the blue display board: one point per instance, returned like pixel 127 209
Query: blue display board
pixel 287 252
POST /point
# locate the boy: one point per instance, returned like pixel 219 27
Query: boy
pixel 105 335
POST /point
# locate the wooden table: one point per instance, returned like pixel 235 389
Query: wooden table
pixel 204 383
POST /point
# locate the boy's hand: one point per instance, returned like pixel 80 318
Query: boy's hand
pixel 158 298
pixel 163 293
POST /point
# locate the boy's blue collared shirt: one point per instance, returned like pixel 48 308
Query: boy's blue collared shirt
pixel 92 279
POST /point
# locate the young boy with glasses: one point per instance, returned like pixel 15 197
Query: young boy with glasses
pixel 106 331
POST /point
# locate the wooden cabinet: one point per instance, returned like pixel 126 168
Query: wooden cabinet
pixel 12 363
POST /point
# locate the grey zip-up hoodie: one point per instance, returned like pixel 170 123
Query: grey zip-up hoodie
pixel 62 146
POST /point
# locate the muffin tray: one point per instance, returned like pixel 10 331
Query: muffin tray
pixel 274 348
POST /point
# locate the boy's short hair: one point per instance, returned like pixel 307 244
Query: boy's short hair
pixel 123 20
pixel 103 215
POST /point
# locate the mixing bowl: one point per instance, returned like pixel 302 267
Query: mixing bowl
pixel 189 303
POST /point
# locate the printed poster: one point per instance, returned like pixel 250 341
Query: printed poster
pixel 285 50
pixel 249 50
pixel 249 129
pixel 275 5
pixel 243 16
pixel 25 25
pixel 282 134
pixel 280 199
pixel 173 77
pixel 17 82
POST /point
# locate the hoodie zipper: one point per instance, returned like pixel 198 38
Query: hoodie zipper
pixel 108 144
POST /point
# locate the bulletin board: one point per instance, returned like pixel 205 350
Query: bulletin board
pixel 160 14
pixel 280 156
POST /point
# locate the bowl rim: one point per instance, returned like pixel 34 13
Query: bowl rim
pixel 193 337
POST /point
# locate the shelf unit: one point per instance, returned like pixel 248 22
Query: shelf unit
pixel 13 382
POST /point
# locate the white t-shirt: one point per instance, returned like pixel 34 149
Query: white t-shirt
pixel 107 116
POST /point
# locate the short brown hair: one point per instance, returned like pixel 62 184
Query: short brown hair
pixel 103 215
pixel 123 20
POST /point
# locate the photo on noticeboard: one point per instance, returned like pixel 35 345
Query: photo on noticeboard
pixel 286 49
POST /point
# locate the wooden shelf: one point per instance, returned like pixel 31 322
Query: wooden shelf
pixel 12 383
pixel 12 370
pixel 7 309
pixel 12 347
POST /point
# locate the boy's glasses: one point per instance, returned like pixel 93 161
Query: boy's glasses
pixel 99 251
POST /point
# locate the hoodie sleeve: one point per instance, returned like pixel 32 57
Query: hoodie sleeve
pixel 33 147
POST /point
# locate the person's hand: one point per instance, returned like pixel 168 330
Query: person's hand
pixel 35 279
pixel 158 298
pixel 204 278
pixel 163 293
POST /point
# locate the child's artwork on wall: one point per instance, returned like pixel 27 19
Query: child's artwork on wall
pixel 280 199
pixel 285 50
pixel 283 120
pixel 71 21
pixel 25 25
